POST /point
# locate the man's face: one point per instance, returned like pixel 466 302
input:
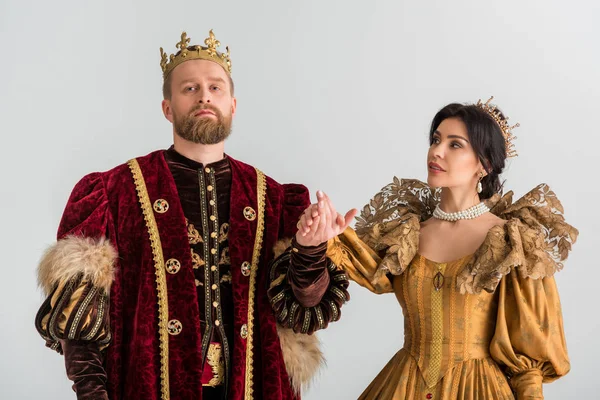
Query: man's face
pixel 201 106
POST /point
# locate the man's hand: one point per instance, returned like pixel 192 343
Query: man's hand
pixel 321 222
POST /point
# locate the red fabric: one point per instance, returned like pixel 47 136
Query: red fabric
pixel 106 204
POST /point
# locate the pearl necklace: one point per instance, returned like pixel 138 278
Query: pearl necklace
pixel 469 213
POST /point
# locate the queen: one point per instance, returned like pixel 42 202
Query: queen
pixel 472 270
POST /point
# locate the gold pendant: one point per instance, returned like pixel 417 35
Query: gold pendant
pixel 438 281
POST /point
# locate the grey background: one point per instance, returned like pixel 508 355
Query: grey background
pixel 334 94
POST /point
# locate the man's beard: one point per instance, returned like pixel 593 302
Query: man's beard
pixel 203 130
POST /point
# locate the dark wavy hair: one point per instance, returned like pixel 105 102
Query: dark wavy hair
pixel 486 139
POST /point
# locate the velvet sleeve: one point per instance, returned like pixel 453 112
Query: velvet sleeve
pixel 84 366
pixel 306 289
pixel 307 272
pixel 76 274
pixel 291 313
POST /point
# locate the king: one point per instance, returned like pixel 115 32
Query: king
pixel 185 273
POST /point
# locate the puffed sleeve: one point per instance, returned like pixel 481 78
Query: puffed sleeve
pixel 519 261
pixel 529 340
pixel 77 271
pixel 373 254
pixel 359 261
pixel 76 274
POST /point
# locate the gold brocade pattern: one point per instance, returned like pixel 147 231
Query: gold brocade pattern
pixel 225 260
pixel 161 282
pixel 437 330
pixel 193 234
pixel 540 241
pixel 418 282
pixel 258 239
pixel 197 261
pixel 226 278
pixel 410 317
pixel 214 357
pixel 224 232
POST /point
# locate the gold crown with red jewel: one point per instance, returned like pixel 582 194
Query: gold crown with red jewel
pixel 195 52
pixel 504 126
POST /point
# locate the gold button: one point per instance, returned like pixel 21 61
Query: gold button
pixel 213 251
pixel 172 266
pixel 212 202
pixel 217 322
pixel 174 327
pixel 209 188
pixel 214 286
pixel 207 170
pixel 249 213
pixel 212 217
pixel 215 304
pixel 244 331
pixel 295 250
pixel 213 268
pixel 161 206
pixel 245 268
pixel 213 235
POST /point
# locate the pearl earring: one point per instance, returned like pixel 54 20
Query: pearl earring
pixel 479 187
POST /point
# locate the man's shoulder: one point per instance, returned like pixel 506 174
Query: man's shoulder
pixel 114 177
pixel 125 168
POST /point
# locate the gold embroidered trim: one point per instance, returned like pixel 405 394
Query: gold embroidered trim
pixel 338 292
pixel 410 314
pixel 283 314
pixel 335 313
pixel 278 297
pixel 421 309
pixel 99 319
pixel 193 234
pixel 197 261
pixel 260 227
pixel 52 324
pixel 207 281
pixel 320 317
pixel 225 260
pixel 226 278
pixel 214 357
pixel 84 305
pixel 295 306
pixel 451 322
pixel 224 232
pixel 467 314
pixel 306 323
pixel 437 332
pixel 159 270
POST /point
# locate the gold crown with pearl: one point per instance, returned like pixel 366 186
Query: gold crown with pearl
pixel 195 52
pixel 504 126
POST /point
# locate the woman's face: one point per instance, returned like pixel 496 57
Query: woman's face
pixel 451 160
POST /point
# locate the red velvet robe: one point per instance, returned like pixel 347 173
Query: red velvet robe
pixel 144 360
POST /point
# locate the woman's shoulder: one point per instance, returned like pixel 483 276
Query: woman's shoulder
pixel 529 236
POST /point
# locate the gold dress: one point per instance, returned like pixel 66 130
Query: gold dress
pixel 486 326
